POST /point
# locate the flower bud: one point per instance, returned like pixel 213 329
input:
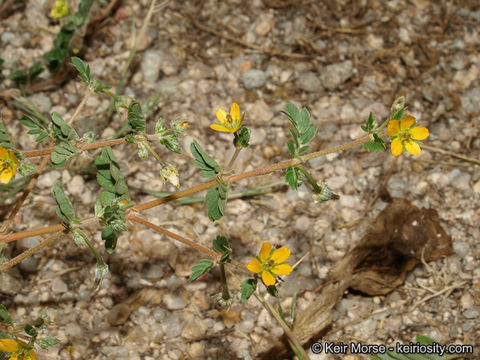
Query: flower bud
pixel 397 105
pixel 170 174
pixel 142 151
pixel 324 194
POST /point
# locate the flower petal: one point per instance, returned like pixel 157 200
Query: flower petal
pixel 281 255
pixel 6 175
pixel 282 269
pixel 8 345
pixel 265 251
pixel 235 112
pixel 268 279
pixel 218 127
pixel 254 266
pixel 407 122
pixel 397 147
pixel 412 147
pixel 222 116
pixel 392 128
pixel 419 133
pixel 3 153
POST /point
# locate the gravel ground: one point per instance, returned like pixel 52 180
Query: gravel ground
pixel 340 59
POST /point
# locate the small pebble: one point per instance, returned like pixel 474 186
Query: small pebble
pixel 173 302
pixel 253 79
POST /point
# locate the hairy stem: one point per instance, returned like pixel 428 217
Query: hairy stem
pixel 31 251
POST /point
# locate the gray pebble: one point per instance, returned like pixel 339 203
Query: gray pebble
pixel 7 37
pixel 302 223
pixel 151 64
pixel 459 179
pixel 173 302
pixel 194 330
pixel 397 186
pixel 48 179
pixel 59 286
pixel 309 82
pixel 172 325
pixel 76 186
pixel 74 330
pixel 253 79
pixel 153 271
pixel 460 248
pixel 332 76
pixel 10 284
pixel 471 313
pixel 467 326
pixel 470 100
pixel 42 102
pixel 30 264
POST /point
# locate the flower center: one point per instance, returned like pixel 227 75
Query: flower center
pixel 229 119
pixel 269 263
pixel 406 136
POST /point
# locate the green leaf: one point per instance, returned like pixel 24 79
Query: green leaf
pixel 399 114
pixel 99 87
pixel 242 137
pixel 304 121
pixel 110 237
pixel 34 71
pixel 293 177
pixel 135 118
pixel 30 330
pixel 303 149
pixel 47 342
pixel 5 139
pixel 62 152
pixel 308 135
pixel 293 114
pixel 23 77
pixel 295 138
pixel 215 201
pixel 171 143
pixel 272 290
pixel 5 315
pixel 372 146
pixel 107 197
pixel 247 288
pixel 376 145
pixel 222 245
pixel 109 175
pixel 38 128
pixel 84 71
pixel 203 161
pixel 61 130
pixel 65 208
pixel 200 268
pixel 291 148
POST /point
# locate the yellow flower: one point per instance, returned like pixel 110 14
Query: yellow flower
pixel 405 135
pixel 60 10
pixel 270 263
pixel 230 122
pixel 18 349
pixel 8 165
